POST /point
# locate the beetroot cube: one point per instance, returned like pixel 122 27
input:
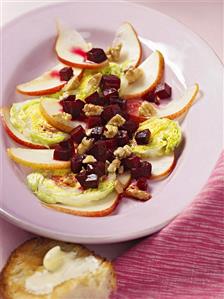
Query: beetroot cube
pixel 122 138
pixel 72 97
pixel 163 91
pixel 143 170
pixel 97 168
pixel 96 133
pixel 110 81
pixel 66 73
pixel 99 150
pixel 67 144
pixel 96 55
pixel 110 155
pixel 88 180
pixel 93 121
pixel 110 92
pixel 130 126
pixel 110 111
pixel 150 97
pixel 62 154
pixel 110 143
pixel 142 137
pixel 121 102
pixel 76 163
pixel 131 162
pixel 94 99
pixel 77 134
pixel 142 183
pixel 73 107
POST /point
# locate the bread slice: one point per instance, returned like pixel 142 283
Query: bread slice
pixel 25 260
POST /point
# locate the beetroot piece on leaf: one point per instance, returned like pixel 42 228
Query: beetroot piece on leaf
pixel 143 170
pixel 142 137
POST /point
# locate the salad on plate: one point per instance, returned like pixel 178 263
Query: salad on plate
pixel 98 126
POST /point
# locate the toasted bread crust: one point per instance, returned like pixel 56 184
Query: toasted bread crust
pixel 25 260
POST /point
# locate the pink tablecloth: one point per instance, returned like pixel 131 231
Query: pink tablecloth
pixel 185 259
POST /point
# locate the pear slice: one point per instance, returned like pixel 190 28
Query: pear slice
pixel 152 72
pixel 51 110
pixel 131 49
pixel 48 83
pixel 36 158
pixel 178 107
pixel 14 133
pixel 162 166
pixel 100 208
pixel 67 41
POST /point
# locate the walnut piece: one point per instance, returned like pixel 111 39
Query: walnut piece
pixel 117 120
pixel 72 84
pixel 84 145
pixel 93 82
pixel 62 116
pixel 132 74
pixel 113 53
pixel 114 165
pixel 110 131
pixel 92 110
pixel 146 109
pixel 123 152
pixel 89 159
pixel 134 192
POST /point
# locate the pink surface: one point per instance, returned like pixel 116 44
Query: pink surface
pixel 185 259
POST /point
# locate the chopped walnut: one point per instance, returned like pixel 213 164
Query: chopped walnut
pixel 93 82
pixel 72 84
pixel 132 74
pixel 62 116
pixel 123 152
pixel 146 109
pixel 134 192
pixel 113 53
pixel 84 145
pixel 118 187
pixel 68 180
pixel 89 159
pixel 110 131
pixel 114 165
pixel 92 110
pixel 117 120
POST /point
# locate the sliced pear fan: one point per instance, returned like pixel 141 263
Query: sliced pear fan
pixel 152 72
pixel 51 110
pixel 180 106
pixel 131 50
pixel 14 133
pixel 67 41
pixel 48 83
pixel 37 159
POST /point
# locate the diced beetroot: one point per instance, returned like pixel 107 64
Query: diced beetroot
pixel 142 137
pixel 88 180
pixel 142 183
pixel 76 163
pixel 66 73
pixel 93 121
pixel 96 133
pixel 163 91
pixel 110 155
pixel 130 126
pixel 110 92
pixel 77 134
pixel 143 170
pixel 96 55
pixel 72 107
pixel 97 168
pixel 99 150
pixel 95 99
pixel 122 137
pixel 121 102
pixel 110 111
pixel 110 143
pixel 131 162
pixel 68 144
pixel 71 97
pixel 150 97
pixel 110 81
pixel 62 154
